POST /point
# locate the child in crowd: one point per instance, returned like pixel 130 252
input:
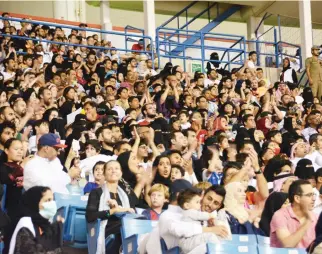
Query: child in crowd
pixel 184 120
pixel 159 194
pixel 189 200
pixel 41 127
pixel 98 172
pixel 177 172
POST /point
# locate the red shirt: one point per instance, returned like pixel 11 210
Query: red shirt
pixel 137 47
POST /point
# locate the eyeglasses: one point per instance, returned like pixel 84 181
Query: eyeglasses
pixel 309 195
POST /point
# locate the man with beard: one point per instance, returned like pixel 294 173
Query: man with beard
pixel 45 97
pixel 7 114
pixel 10 67
pixel 149 112
pixel 90 65
pixel 104 135
pixel 178 141
pixel 116 133
pixel 213 199
pixel 7 131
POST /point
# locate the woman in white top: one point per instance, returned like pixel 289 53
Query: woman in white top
pixel 288 74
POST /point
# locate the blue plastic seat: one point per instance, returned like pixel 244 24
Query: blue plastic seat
pixel 3 201
pixel 92 236
pixel 242 240
pixel 263 240
pixel 132 227
pixel 264 249
pixel 164 248
pixel 73 208
pixel 231 248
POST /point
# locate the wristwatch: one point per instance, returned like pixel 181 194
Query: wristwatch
pixel 258 172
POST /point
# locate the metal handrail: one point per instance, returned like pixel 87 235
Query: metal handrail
pixel 179 13
pixel 125 35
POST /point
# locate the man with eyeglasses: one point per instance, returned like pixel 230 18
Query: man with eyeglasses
pixel 294 226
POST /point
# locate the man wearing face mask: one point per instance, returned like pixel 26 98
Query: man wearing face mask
pixel 46 169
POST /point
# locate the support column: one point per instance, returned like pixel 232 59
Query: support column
pixel 72 11
pixel 60 9
pixel 149 18
pixel 252 25
pixel 82 11
pixel 305 28
pixel 105 18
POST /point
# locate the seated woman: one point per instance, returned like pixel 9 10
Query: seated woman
pixel 98 170
pixel 237 215
pixel 274 202
pixel 111 198
pixel 34 233
pixel 11 174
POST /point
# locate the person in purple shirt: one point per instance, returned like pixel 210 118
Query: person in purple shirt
pixel 98 172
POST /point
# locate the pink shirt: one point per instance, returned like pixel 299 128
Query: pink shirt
pixel 285 218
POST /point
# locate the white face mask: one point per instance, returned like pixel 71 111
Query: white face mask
pixel 49 210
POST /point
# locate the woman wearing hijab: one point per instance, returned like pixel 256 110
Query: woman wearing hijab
pixel 274 202
pixel 34 233
pixel 236 214
pixel 55 66
pixel 105 202
pixel 288 74
pixel 316 246
pixel 305 171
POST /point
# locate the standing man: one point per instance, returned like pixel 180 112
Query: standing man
pixel 314 72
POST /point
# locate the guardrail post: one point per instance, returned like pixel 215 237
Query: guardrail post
pixel 202 41
pixel 276 49
pixel 258 53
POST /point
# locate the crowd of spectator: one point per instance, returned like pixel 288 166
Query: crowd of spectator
pixel 208 154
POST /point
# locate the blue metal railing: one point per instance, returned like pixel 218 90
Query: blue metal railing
pixel 165 46
pixel 125 35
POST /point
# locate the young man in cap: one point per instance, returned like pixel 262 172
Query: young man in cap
pixel 45 169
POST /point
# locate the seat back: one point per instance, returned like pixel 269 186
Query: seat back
pixel 76 228
pixel 264 249
pixel 263 240
pixel 92 235
pixel 231 248
pixel 242 240
pixel 132 226
pixel 70 200
pixel 3 201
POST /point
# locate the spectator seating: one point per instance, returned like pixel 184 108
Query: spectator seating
pixel 270 250
pixel 242 239
pixel 132 228
pixel 231 248
pixel 73 208
pixel 92 236
pixel 165 250
pixel 3 201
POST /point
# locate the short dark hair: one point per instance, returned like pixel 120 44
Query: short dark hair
pixel 219 190
pixel 318 174
pixel 295 189
pixel 182 170
pixel 94 143
pixel 97 164
pixel 271 134
pixel 5 125
pixel 314 138
pixel 118 145
pixel 245 117
pixel 186 196
pixel 91 103
pixel 252 53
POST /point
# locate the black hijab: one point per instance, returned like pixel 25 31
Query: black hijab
pixel 304 169
pixel 49 72
pixel 30 206
pixel 273 203
pixel 127 174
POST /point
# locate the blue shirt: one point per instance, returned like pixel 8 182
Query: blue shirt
pixel 89 187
